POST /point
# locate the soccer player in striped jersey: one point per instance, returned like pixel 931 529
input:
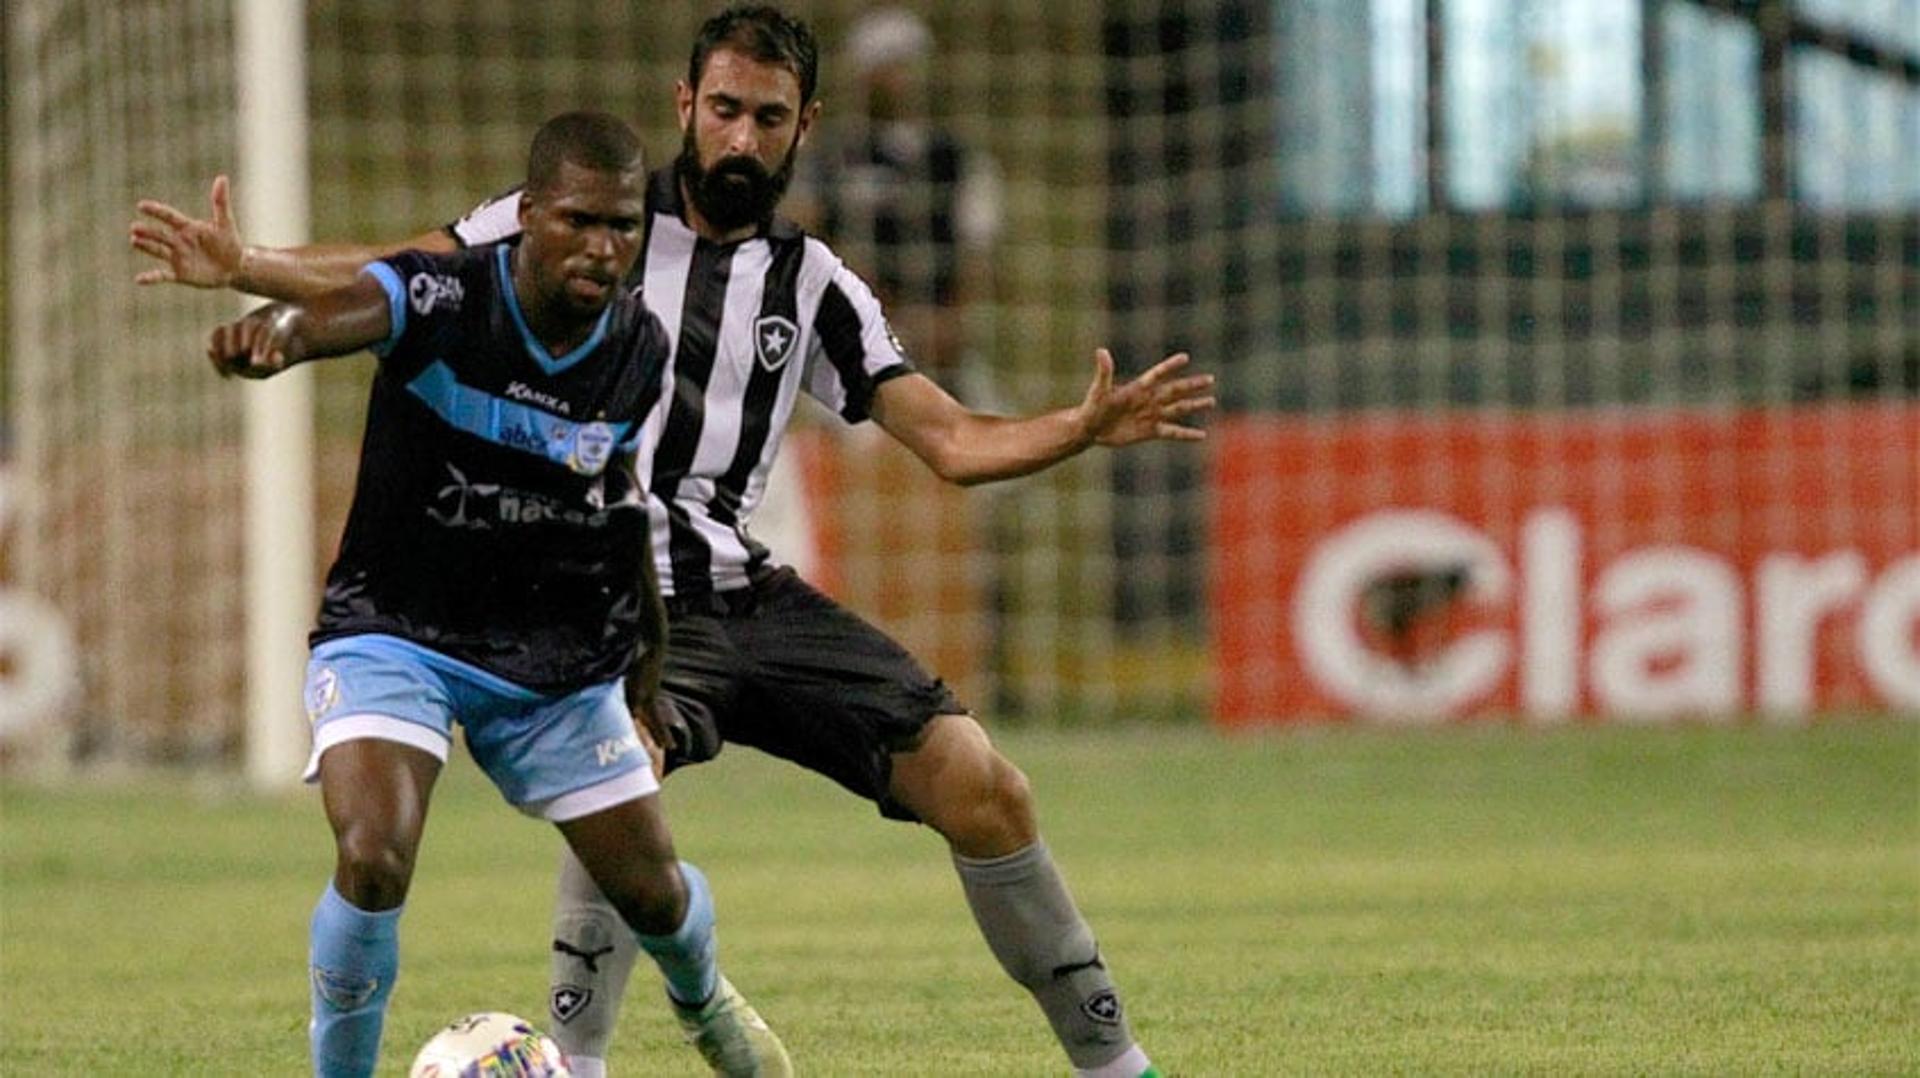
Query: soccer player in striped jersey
pixel 495 572
pixel 757 312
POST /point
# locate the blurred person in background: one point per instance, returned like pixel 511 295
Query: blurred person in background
pixel 905 201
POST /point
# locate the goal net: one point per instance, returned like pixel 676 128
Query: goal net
pixel 121 483
pixel 1566 349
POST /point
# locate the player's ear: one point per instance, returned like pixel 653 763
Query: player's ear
pixel 808 114
pixel 683 102
pixel 525 207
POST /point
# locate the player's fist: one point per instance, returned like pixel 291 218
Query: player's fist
pixel 260 345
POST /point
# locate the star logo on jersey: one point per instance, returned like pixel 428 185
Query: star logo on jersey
pixel 774 337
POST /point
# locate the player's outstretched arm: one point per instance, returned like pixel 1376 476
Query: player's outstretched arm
pixel 279 335
pixel 968 447
pixel 209 252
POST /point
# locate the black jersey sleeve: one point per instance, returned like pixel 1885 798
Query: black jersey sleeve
pixel 424 293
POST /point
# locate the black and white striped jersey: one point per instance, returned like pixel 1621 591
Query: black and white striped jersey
pixel 751 324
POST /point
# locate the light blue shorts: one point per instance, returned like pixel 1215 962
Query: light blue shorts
pixel 555 757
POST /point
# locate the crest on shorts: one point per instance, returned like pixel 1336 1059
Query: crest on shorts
pixel 774 338
pixel 323 691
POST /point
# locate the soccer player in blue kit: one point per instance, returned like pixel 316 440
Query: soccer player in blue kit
pixel 496 572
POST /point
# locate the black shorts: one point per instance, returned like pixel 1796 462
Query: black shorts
pixel 781 667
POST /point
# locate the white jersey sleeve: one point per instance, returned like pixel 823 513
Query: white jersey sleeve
pixel 496 219
pixel 853 349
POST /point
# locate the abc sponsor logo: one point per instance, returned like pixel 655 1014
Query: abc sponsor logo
pixel 585 448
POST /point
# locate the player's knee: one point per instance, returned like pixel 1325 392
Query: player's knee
pixel 374 868
pixel 1009 797
pixel 651 898
pixel 987 811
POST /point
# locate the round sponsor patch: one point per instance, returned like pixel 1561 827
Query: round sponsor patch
pixel 592 448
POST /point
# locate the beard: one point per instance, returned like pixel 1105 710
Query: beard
pixel 736 191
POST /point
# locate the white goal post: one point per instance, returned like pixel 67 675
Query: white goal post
pixel 271 94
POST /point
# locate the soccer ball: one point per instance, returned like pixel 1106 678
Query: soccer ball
pixel 490 1045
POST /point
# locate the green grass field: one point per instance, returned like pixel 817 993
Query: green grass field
pixel 1472 901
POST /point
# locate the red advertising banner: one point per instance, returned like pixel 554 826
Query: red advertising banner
pixel 1632 564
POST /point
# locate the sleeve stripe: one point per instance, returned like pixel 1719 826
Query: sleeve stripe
pixel 840 335
pixel 888 374
pixel 396 304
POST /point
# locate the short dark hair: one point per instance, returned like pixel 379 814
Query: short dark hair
pixel 765 33
pixel 591 140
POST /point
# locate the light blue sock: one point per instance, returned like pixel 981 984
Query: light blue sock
pixel 353 958
pixel 686 958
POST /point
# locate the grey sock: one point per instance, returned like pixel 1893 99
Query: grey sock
pixel 593 954
pixel 1033 928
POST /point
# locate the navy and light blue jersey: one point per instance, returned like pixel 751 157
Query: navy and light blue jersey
pixel 498 517
pixel 751 325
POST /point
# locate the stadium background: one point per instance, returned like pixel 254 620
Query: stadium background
pixel 1537 390
pixel 1653 265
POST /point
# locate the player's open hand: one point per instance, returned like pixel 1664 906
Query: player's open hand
pixel 1158 404
pixel 261 345
pixel 202 253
